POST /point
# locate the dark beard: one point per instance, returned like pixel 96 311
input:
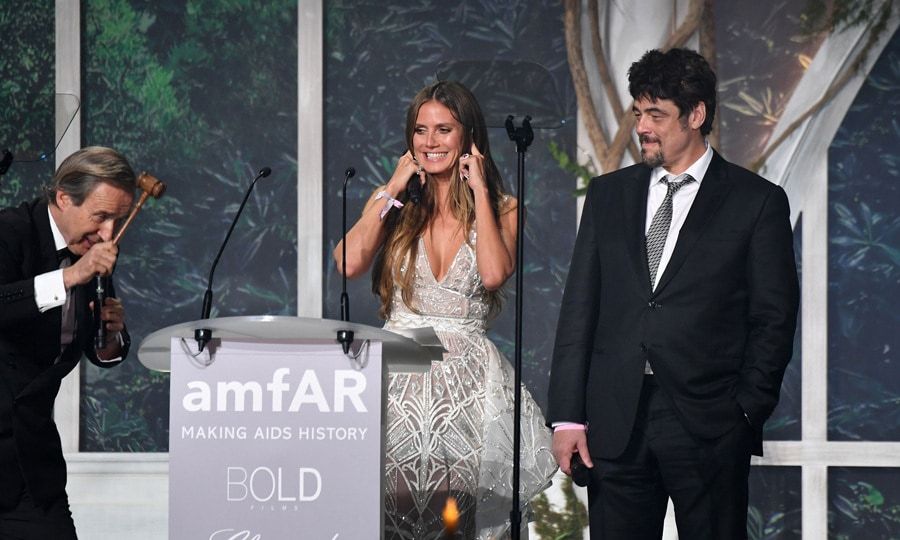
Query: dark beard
pixel 653 160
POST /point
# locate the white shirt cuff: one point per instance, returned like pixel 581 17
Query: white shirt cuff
pixel 121 343
pixel 562 426
pixel 49 290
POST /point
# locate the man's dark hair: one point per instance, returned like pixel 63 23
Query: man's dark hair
pixel 680 75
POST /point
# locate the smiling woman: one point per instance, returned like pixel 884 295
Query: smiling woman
pixel 437 140
pixel 439 262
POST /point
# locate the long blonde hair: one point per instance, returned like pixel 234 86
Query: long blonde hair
pixel 395 263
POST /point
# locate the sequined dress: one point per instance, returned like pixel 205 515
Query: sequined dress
pixel 451 428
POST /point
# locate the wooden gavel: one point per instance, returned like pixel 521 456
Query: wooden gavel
pixel 150 186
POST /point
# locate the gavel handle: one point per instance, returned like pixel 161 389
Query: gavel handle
pixel 131 217
pixel 100 285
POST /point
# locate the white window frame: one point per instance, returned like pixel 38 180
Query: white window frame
pixel 800 165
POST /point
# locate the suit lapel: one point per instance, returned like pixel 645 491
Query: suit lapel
pixel 83 323
pixel 49 262
pixel 635 210
pixel 46 246
pixel 713 189
pixel 46 261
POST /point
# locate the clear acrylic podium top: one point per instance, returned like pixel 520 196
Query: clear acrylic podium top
pixel 412 350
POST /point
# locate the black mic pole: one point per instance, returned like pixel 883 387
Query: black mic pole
pixel 345 337
pixel 523 136
pixel 203 335
pixel 5 162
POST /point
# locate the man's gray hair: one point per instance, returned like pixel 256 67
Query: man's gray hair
pixel 82 171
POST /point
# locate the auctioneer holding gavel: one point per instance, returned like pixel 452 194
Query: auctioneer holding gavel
pixel 150 186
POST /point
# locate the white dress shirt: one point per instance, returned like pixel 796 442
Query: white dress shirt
pixel 49 288
pixel 681 203
pixel 50 292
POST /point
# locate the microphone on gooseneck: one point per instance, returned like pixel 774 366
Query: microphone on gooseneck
pixel 345 300
pixel 204 335
pixel 345 337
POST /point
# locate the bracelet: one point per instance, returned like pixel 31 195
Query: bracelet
pixel 390 203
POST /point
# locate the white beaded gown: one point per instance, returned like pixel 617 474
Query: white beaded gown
pixel 451 428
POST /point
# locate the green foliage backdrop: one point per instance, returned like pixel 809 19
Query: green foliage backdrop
pixel 200 96
pixel 864 261
pixel 864 503
pixel 26 92
pixel 863 294
pixel 774 510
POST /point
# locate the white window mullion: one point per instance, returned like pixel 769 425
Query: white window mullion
pixel 814 347
pixel 815 502
pixel 814 310
pixel 310 157
pixel 68 81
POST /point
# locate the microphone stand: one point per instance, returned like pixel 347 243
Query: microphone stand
pixel 345 337
pixel 523 137
pixel 204 335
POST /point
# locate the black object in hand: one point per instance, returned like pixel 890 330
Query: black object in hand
pixel 414 188
pixel 581 475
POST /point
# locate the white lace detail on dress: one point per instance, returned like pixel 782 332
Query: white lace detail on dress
pixel 451 428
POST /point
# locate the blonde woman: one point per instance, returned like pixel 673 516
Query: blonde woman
pixel 439 261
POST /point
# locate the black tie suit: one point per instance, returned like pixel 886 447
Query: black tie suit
pixel 31 367
pixel 717 330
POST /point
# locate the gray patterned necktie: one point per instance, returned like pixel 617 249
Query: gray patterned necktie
pixel 67 330
pixel 659 227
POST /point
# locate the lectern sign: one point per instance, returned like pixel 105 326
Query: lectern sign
pixel 275 441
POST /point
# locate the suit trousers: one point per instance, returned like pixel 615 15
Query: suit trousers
pixel 706 479
pixel 29 522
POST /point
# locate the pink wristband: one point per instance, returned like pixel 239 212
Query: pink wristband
pixel 390 203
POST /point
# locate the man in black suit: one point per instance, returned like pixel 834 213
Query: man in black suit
pixel 677 321
pixel 50 251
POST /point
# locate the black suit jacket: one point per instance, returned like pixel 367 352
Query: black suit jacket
pixel 718 331
pixel 30 449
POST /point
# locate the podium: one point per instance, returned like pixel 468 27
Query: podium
pixel 274 431
pixel 406 351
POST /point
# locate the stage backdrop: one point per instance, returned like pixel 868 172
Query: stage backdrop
pixel 202 96
pixel 863 295
pixel 27 96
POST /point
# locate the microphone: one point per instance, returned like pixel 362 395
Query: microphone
pixel 204 335
pixel 345 337
pixel 5 162
pixel 414 188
